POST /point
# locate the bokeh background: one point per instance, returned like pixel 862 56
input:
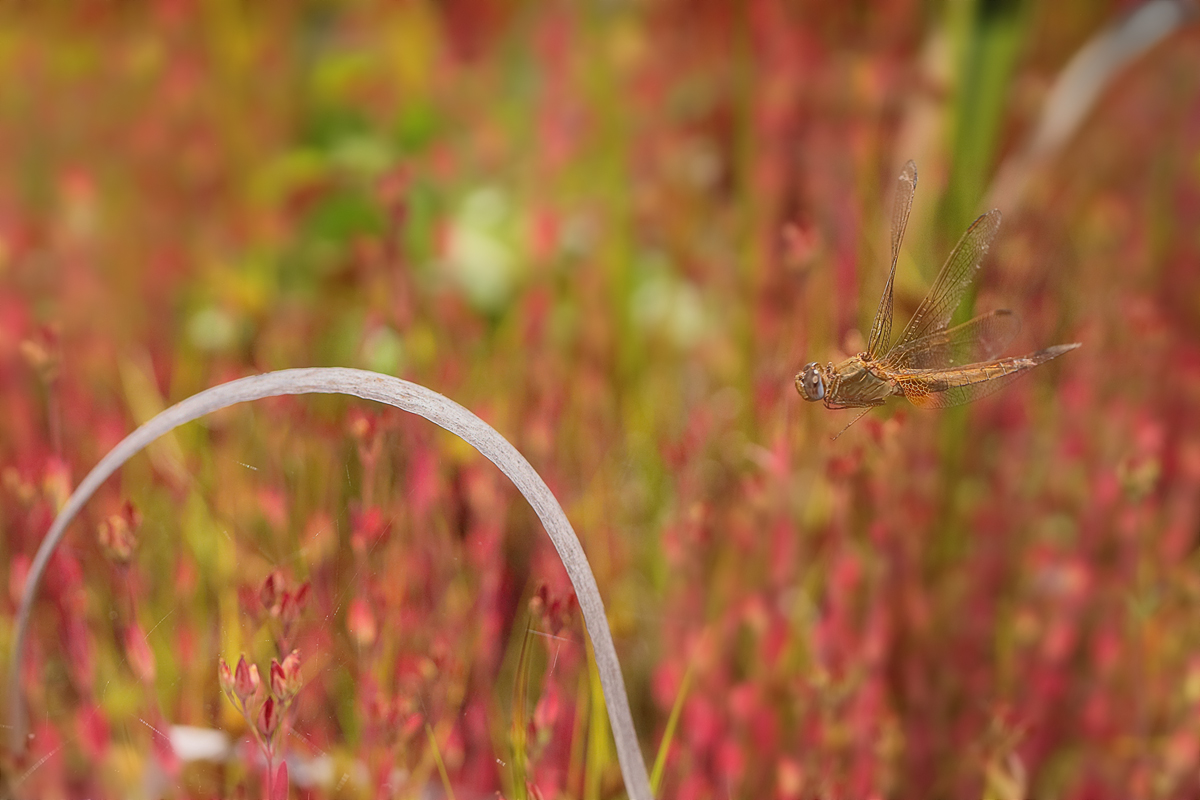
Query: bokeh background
pixel 615 230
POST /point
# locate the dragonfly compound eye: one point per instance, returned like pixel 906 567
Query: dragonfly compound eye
pixel 810 383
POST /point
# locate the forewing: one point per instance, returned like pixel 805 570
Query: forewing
pixel 881 328
pixel 934 313
pixel 981 339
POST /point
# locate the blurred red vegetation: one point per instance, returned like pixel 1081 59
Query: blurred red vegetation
pixel 614 231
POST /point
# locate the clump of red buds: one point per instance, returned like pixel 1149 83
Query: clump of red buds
pixel 118 534
pixel 554 611
pixel 283 604
pixel 263 706
pixel 285 678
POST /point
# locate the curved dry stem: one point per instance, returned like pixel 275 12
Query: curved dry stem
pixel 1080 85
pixel 407 397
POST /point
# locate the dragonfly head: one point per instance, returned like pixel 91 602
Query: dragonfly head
pixel 811 382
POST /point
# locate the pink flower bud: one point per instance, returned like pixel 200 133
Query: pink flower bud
pixel 292 604
pixel 271 591
pixel 362 426
pixel 279 788
pixel 545 714
pixel 368 529
pixel 291 674
pixel 278 681
pixel 245 679
pixel 225 676
pixel 118 534
pixel 56 482
pixel 268 719
pixel 413 724
pixel 361 622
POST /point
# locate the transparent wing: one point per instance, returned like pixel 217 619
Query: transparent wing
pixel 934 388
pixel 934 313
pixel 981 339
pixel 922 395
pixel 881 327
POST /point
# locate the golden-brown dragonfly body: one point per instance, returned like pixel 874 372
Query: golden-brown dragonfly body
pixel 851 384
pixel 932 364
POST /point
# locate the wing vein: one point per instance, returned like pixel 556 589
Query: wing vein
pixel 881 327
pixel 933 315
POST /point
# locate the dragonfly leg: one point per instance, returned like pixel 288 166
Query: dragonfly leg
pixel 851 422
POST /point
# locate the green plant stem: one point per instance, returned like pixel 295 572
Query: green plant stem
pixel 664 748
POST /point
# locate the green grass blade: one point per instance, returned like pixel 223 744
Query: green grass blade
pixel 520 719
pixel 441 765
pixel 664 747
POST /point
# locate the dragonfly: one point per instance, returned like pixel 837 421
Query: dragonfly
pixel 931 364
